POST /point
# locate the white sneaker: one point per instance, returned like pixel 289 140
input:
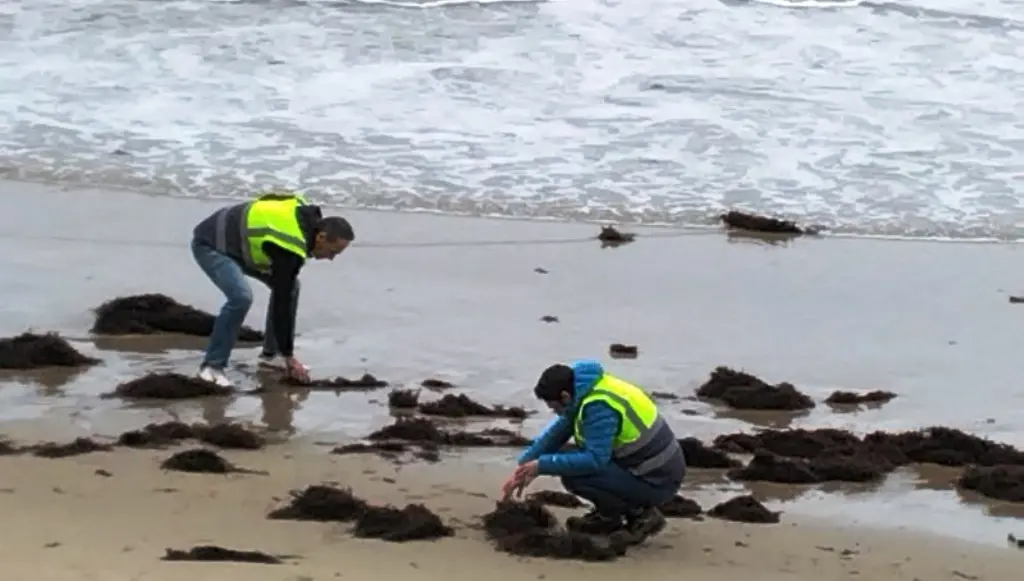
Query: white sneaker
pixel 214 376
pixel 272 362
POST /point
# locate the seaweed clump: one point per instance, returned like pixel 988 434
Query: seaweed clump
pixel 76 447
pixel 460 406
pixel 527 529
pixel 762 224
pixel 698 455
pixel 746 509
pixel 149 314
pixel 35 351
pixel 422 430
pixel 199 461
pixel 167 386
pixel 367 382
pixel 612 236
pixel 681 507
pixel 998 482
pixel 876 397
pixel 156 435
pixel 556 498
pixel 404 399
pixel 329 504
pixel 744 391
pixel 215 553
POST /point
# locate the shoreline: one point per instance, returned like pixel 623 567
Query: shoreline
pixel 824 314
pixel 714 228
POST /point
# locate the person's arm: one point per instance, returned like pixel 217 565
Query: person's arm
pixel 284 271
pixel 551 439
pixel 600 426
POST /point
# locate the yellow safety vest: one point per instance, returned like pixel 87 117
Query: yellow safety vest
pixel 272 218
pixel 638 412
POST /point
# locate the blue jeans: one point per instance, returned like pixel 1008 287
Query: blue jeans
pixel 615 492
pixel 230 279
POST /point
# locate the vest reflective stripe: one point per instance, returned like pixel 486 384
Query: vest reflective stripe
pixel 269 217
pixel 645 442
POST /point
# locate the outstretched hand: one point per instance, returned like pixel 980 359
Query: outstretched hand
pixel 519 480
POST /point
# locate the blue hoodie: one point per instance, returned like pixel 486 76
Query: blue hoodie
pixel 600 426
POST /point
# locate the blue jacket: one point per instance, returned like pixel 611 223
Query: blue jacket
pixel 600 426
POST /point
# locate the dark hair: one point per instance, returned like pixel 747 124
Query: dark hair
pixel 336 228
pixel 553 381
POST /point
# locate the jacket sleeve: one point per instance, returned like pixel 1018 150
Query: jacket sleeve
pixel 600 425
pixel 550 440
pixel 284 270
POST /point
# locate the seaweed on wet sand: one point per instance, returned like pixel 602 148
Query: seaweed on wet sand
pixel 367 382
pixel 216 553
pixel 528 529
pixel 762 224
pixel 200 461
pixel 436 384
pixel 156 435
pixel 167 386
pixel 423 430
pixel 404 398
pixel 744 391
pixel 745 509
pixel 461 405
pixel 623 351
pixel 323 503
pixel 854 465
pixel 698 455
pixel 681 507
pixel 556 498
pixel 39 351
pixel 76 447
pixel 877 397
pixel 229 436
pixel 158 313
pixel 999 482
pixel 412 523
pixel 612 236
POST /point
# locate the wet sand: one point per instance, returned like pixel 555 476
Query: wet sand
pixel 112 515
pixel 929 321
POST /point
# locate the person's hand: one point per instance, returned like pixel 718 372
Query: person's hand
pixel 519 480
pixel 296 370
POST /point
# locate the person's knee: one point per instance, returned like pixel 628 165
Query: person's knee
pixel 240 299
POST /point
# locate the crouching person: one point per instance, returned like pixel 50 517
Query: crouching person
pixel 627 462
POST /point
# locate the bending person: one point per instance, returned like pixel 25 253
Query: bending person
pixel 269 239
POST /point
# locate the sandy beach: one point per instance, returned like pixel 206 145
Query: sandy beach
pixel 421 296
pixel 64 520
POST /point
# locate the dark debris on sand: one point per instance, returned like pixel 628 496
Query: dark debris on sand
pixel 854 465
pixel 76 447
pixel 156 435
pixel 167 386
pixel 460 406
pixel 229 436
pixel 698 455
pixel 8 448
pixel 762 224
pixel 681 507
pixel 329 504
pixel 746 509
pixel 997 482
pixel 854 398
pixel 423 430
pixel 436 384
pixel 612 236
pixel 367 382
pixel 404 399
pixel 744 391
pixel 623 351
pixel 157 313
pixel 391 449
pixel 220 554
pixel 810 456
pixel 35 351
pixel 415 522
pixel 528 529
pixel 199 461
pixel 556 498
pixel 322 504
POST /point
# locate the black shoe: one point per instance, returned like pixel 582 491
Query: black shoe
pixel 593 523
pixel 640 526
